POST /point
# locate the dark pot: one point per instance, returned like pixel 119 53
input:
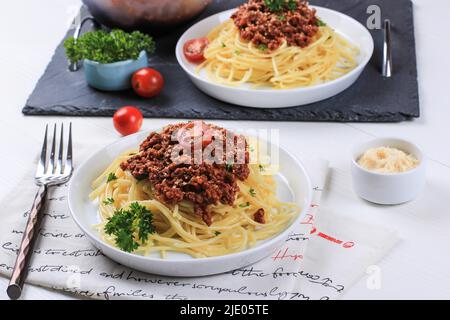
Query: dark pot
pixel 145 15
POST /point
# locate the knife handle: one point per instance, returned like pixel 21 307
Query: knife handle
pixel 387 50
pixel 26 246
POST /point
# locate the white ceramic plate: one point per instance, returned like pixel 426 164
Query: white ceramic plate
pixel 293 185
pixel 243 95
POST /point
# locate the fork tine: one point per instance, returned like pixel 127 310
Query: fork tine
pixel 42 165
pixel 69 158
pixel 52 163
pixel 61 150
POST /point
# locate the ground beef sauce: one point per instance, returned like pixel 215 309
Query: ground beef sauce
pixel 203 184
pixel 259 216
pixel 295 23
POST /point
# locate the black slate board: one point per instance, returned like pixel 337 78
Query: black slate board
pixel 371 99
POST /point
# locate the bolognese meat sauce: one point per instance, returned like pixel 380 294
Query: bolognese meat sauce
pixel 205 183
pixel 294 23
pixel 259 216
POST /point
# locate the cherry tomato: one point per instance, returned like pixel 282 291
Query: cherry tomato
pixel 196 123
pixel 190 132
pixel 207 138
pixel 128 120
pixel 147 82
pixel 194 49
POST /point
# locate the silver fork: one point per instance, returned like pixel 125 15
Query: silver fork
pixel 49 173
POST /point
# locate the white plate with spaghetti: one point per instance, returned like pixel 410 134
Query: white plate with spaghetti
pixel 132 217
pixel 278 75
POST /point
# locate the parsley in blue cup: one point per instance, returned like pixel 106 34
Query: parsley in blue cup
pixel 110 58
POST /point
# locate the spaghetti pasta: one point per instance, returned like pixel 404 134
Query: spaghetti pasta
pixel 232 61
pixel 179 229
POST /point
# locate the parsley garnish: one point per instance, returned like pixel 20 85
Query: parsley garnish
pixel 108 201
pixel 237 52
pixel 282 17
pixel 223 45
pixel 244 205
pixel 145 222
pixel 279 5
pixel 320 23
pixel 228 167
pixel 107 47
pixel 252 192
pixel 261 168
pixel 111 177
pixel 292 5
pixel 121 226
pixel 125 223
pixel 262 47
pixel 217 233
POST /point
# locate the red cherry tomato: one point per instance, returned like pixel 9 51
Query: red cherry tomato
pixel 196 123
pixel 194 49
pixel 189 132
pixel 147 82
pixel 128 120
pixel 207 138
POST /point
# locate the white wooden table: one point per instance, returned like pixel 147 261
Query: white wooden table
pixel 418 267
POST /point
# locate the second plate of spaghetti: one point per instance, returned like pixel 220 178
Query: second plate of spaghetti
pixel 264 57
pixel 147 205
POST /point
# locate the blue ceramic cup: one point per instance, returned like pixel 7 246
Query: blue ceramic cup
pixel 114 76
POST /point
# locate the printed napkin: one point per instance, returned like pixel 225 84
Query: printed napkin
pixel 339 252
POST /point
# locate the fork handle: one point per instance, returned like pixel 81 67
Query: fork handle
pixel 26 246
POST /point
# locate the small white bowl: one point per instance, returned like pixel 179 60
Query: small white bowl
pixel 244 95
pixel 392 188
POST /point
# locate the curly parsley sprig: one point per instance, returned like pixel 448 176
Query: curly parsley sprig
pixel 108 47
pixel 111 177
pixel 124 224
pixel 279 5
pixel 320 23
pixel 108 201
